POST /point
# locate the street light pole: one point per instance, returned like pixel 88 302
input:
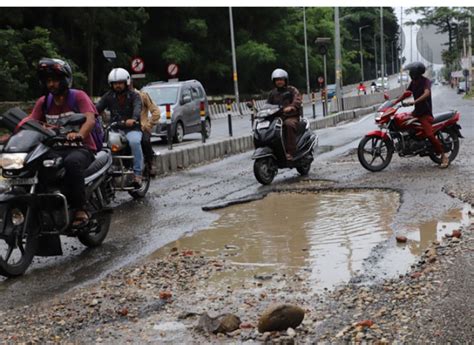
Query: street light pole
pixel 375 53
pixel 400 57
pixel 337 42
pixel 361 54
pixel 308 90
pixel 382 49
pixel 393 60
pixel 234 59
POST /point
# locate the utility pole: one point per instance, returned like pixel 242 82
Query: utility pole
pixel 393 60
pixel 400 57
pixel 308 90
pixel 337 42
pixel 382 49
pixel 234 59
pixel 375 53
pixel 361 52
pixel 469 52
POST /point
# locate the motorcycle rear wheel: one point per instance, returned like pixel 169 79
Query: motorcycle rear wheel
pixel 95 239
pixel 451 138
pixel 22 247
pixel 379 148
pixel 265 170
pixel 141 192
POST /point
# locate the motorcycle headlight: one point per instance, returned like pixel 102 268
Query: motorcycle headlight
pixel 12 161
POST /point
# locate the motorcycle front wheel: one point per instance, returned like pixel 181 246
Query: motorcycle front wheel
pixel 265 170
pixel 375 153
pixel 146 179
pixel 18 248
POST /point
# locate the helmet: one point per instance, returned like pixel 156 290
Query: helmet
pixel 55 68
pixel 416 69
pixel 117 75
pixel 280 73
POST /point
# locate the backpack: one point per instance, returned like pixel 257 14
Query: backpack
pixel 97 132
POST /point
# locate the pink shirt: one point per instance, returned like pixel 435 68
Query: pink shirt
pixel 56 112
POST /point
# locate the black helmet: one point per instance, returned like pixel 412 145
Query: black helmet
pixel 416 69
pixel 56 68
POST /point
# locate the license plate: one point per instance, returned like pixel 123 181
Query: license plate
pixel 21 181
pixel 263 124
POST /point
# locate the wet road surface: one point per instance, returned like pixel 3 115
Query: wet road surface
pixel 173 207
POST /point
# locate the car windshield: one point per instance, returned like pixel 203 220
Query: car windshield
pixel 163 95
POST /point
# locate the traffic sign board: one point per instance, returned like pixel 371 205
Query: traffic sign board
pixel 320 80
pixel 137 65
pixel 173 69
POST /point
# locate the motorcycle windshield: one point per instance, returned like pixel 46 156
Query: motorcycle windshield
pixel 23 141
pixel 385 106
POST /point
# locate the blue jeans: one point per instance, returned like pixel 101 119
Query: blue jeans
pixel 135 141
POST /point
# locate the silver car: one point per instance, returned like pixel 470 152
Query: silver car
pixel 184 98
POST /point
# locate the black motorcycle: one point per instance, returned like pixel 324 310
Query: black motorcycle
pixel 34 210
pixel 270 153
pixel 122 167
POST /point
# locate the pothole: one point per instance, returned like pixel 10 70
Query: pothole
pixel 330 237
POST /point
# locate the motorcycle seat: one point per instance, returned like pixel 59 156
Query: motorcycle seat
pixel 444 116
pixel 101 159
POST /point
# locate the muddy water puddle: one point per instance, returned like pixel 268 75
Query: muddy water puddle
pixel 327 236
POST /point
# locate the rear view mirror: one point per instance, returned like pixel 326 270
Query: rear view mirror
pixel 407 94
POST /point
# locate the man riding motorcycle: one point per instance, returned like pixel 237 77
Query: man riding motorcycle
pixel 55 77
pixel 125 105
pixel 421 89
pixel 289 98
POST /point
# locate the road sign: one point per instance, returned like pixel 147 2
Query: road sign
pixel 137 65
pixel 173 70
pixel 320 80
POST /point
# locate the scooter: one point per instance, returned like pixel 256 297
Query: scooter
pixel 270 152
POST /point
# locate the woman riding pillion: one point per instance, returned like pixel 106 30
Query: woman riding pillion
pixel 55 77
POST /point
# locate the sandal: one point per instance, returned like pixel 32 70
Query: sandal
pixel 81 219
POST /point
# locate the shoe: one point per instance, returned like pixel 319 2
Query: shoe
pixel 81 219
pixel 444 161
pixel 137 181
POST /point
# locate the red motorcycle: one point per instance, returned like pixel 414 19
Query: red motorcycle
pixel 361 89
pixel 402 133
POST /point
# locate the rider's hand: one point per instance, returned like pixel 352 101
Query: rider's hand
pixel 130 123
pixel 288 109
pixel 408 103
pixel 74 136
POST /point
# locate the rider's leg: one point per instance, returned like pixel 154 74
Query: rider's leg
pixel 76 162
pixel 291 126
pixel 148 152
pixel 426 121
pixel 135 141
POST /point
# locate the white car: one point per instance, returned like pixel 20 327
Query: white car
pixel 379 83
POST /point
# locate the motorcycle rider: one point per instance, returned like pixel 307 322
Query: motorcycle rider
pixel 55 77
pixel 125 104
pixel 421 89
pixel 289 98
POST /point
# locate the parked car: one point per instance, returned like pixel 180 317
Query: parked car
pixel 404 77
pixel 379 83
pixel 331 90
pixel 184 98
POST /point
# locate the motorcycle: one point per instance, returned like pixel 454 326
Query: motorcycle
pixel 122 166
pixel 270 153
pixel 402 133
pixel 361 89
pixel 34 210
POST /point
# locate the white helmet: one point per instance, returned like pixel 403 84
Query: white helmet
pixel 279 73
pixel 119 74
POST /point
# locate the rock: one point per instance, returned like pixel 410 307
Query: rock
pixel 430 252
pixel 359 336
pixel 291 332
pixel 245 325
pixel 122 312
pixel 455 240
pixel 365 323
pixel 263 276
pixel 456 234
pixel 415 275
pixel 94 302
pixel 165 295
pixel 224 323
pixel 280 318
pixel 401 239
